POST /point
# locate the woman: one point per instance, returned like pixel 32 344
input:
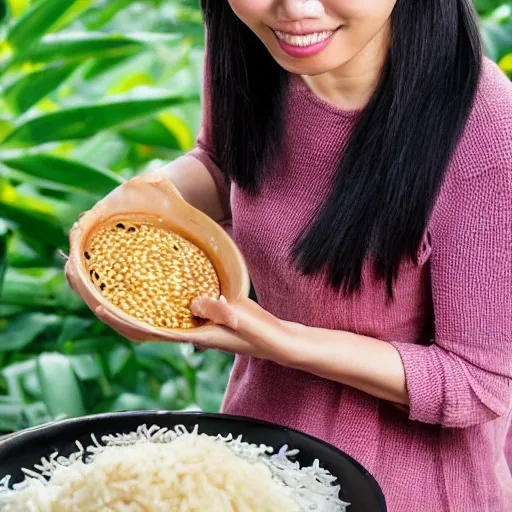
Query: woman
pixel 362 152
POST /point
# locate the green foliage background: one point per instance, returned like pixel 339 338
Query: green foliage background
pixel 94 92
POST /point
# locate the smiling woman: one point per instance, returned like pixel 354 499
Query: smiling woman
pixel 367 177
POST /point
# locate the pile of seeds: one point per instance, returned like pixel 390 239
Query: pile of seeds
pixel 150 273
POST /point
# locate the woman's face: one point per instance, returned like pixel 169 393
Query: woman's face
pixel 310 37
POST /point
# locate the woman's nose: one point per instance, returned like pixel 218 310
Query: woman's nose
pixel 295 10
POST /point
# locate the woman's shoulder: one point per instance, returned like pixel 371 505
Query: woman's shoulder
pixel 486 144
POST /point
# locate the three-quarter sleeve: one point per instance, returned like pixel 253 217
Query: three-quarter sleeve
pixel 465 377
pixel 203 151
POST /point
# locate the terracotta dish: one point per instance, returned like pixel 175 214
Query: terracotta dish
pixel 146 253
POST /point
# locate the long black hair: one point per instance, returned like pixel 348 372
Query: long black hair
pixel 396 158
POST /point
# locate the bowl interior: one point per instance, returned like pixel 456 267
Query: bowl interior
pixel 210 238
pixel 26 449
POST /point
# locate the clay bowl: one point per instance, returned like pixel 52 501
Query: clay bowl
pixel 157 202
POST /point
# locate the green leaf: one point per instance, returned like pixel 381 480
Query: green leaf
pixel 169 395
pixel 35 414
pixel 61 392
pixel 10 416
pixel 3 10
pixel 73 327
pixel 89 345
pixel 14 374
pixel 210 391
pixel 24 329
pixel 35 216
pixel 7 310
pixel 101 66
pixel 21 254
pixel 4 238
pixel 29 89
pixel 132 402
pixel 117 359
pixel 169 352
pixel 84 121
pixel 497 38
pixel 167 131
pixel 38 20
pixel 78 46
pixel 85 367
pixel 41 287
pixel 487 5
pixel 31 385
pixel 102 16
pixel 104 150
pixel 78 7
pixel 63 171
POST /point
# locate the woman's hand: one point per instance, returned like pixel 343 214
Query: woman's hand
pixel 248 329
pixel 241 328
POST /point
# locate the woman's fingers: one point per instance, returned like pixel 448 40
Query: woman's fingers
pixel 245 317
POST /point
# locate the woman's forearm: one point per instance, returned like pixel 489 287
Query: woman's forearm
pixel 195 184
pixel 367 364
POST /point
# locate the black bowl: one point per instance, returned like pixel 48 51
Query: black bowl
pixel 27 448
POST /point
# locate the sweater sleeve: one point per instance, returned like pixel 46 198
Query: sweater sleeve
pixel 464 378
pixel 203 151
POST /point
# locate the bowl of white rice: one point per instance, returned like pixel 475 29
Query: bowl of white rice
pixel 159 461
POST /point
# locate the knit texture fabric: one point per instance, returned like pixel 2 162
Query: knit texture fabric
pixel 451 320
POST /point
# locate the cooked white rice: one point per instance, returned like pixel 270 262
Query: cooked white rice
pixel 158 469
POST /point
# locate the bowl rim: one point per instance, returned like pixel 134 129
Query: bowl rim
pixel 21 435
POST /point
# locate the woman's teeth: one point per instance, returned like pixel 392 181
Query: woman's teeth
pixel 307 40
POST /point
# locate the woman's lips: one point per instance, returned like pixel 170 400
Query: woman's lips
pixel 303 45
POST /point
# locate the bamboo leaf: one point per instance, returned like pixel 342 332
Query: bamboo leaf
pixel 104 150
pixel 24 329
pixel 84 121
pixel 77 46
pixel 45 287
pixel 103 16
pixel 21 254
pixel 71 173
pixel 166 131
pixel 17 7
pixel 59 385
pixel 78 7
pixel 30 88
pixel 38 20
pixel 35 216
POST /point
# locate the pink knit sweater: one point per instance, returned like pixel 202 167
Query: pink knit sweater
pixel 451 321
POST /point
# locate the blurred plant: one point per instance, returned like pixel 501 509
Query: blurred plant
pixel 496 27
pixel 94 92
